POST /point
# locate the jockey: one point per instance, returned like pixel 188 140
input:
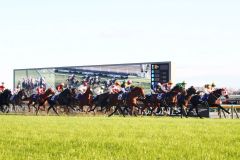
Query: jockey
pixel 16 90
pixel 166 87
pixel 116 88
pixel 213 87
pixel 208 88
pixel 40 90
pixel 83 88
pixel 60 87
pixel 41 81
pixel 126 86
pixel 181 85
pixel 158 88
pixel 2 87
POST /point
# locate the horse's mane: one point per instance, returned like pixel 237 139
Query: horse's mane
pixel 136 88
pixel 88 91
pixel 6 91
pixel 217 90
pixel 175 88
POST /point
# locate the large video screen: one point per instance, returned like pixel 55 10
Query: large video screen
pixel 99 77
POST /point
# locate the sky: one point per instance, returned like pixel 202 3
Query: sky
pixel 200 38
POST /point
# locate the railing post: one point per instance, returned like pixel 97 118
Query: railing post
pixel 232 111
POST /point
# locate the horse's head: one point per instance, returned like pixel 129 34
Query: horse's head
pixel 49 91
pixel 191 91
pixel 73 91
pixel 22 94
pixel 224 93
pixel 178 89
pixel 6 93
pixel 66 93
pixel 138 91
pixel 221 92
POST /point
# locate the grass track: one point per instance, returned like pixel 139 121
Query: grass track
pixel 50 137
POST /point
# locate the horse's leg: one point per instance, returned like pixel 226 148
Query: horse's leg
pixel 121 111
pixel 224 114
pixel 219 112
pixel 135 110
pixel 131 110
pixel 48 109
pixel 181 110
pixel 72 107
pixel 223 109
pixel 143 109
pixel 54 109
pixel 152 110
pixel 115 110
pixel 93 110
pixel 184 111
pixel 13 107
pixel 7 108
pixel 198 112
pixel 37 109
pixel 29 103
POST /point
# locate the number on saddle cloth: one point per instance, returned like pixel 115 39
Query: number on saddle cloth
pixel 205 97
pixel 123 96
pixel 12 97
pixel 79 96
pixel 54 98
pixel 120 96
pixel 35 96
pixel 160 96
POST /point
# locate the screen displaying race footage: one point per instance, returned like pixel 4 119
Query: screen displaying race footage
pixel 99 77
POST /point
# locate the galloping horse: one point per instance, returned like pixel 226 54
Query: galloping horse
pixel 131 100
pixel 17 99
pixel 39 99
pixel 184 99
pixel 213 100
pixel 85 99
pixel 5 99
pixel 101 101
pixel 65 98
pixel 167 100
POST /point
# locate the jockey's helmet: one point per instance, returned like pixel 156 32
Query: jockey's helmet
pixel 62 84
pixel 213 84
pixel 158 84
pixel 117 83
pixel 170 82
pixel 184 83
pixel 129 81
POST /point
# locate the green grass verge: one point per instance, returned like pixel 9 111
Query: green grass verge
pixel 50 137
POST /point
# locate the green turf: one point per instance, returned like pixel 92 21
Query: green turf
pixel 50 137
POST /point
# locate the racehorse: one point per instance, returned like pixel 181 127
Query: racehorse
pixel 17 99
pixel 101 101
pixel 5 100
pixel 184 99
pixel 166 100
pixel 65 98
pixel 213 100
pixel 129 102
pixel 39 99
pixel 85 99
